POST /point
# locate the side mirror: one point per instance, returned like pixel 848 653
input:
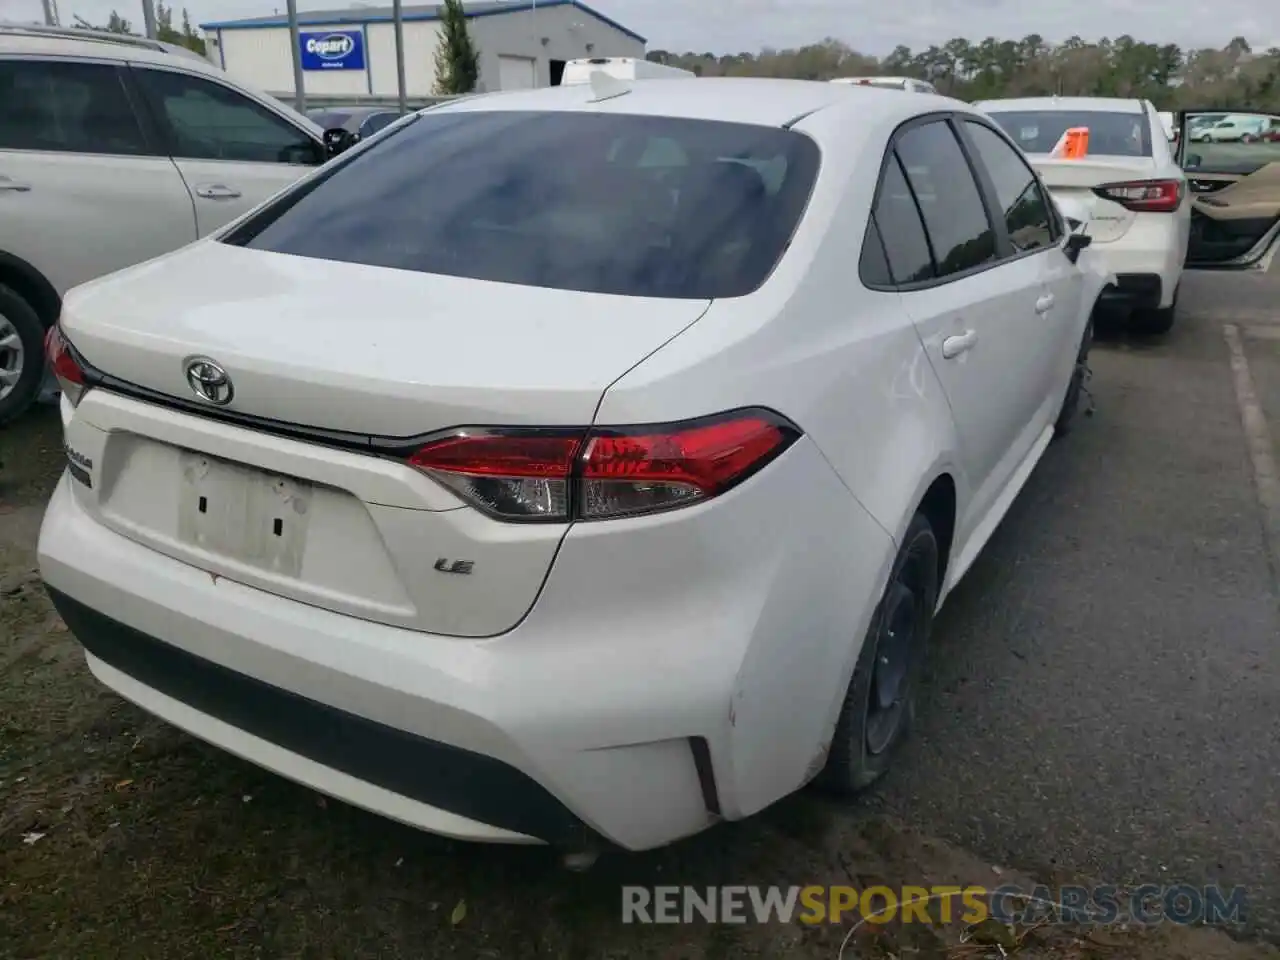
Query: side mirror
pixel 1074 244
pixel 339 139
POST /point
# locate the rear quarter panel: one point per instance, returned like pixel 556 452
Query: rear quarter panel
pixel 847 366
pixel 844 362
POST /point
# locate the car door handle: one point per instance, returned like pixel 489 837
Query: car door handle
pixel 9 185
pixel 1045 303
pixel 216 191
pixel 952 347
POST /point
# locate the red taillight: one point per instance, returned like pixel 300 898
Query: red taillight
pixel 63 361
pixel 514 475
pixel 597 474
pixel 1144 196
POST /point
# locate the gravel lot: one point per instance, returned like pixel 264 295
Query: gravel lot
pixel 1104 704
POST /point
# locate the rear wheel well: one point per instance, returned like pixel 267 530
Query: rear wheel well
pixel 24 280
pixel 939 508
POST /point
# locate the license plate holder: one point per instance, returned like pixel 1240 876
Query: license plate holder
pixel 246 515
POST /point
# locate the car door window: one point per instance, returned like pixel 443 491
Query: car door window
pixel 1026 208
pixel 209 121
pixel 67 107
pixel 897 219
pixel 952 207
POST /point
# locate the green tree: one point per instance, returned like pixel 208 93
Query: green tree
pixel 457 60
pixel 972 69
pixel 186 37
pixel 190 38
pixel 115 24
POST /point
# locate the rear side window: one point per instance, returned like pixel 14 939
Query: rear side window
pixel 952 207
pixel 603 203
pixel 67 107
pixel 873 267
pixel 1025 206
pixel 1111 133
pixel 898 220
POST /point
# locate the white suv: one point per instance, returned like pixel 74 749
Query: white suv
pixel 114 150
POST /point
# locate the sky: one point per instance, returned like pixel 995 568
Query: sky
pixel 870 26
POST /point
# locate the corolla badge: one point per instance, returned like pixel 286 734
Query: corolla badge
pixel 208 381
pixel 333 47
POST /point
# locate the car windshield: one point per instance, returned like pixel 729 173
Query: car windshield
pixel 328 119
pixel 604 203
pixel 1111 133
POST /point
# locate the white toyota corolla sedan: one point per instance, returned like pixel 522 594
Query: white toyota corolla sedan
pixel 570 464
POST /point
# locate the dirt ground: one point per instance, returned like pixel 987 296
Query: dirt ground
pixel 120 836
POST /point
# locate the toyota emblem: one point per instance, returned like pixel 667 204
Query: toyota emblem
pixel 208 381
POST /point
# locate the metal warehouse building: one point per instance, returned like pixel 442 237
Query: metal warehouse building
pixel 522 44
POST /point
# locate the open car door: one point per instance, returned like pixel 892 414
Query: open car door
pixel 1232 163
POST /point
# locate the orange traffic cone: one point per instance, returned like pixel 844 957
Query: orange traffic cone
pixel 1074 144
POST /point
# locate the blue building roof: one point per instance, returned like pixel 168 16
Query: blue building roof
pixel 359 15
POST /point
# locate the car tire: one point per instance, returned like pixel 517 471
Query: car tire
pixel 21 327
pixel 1157 322
pixel 1075 386
pixel 869 730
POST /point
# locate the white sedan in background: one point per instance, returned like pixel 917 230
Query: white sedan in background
pixel 592 497
pixel 1129 192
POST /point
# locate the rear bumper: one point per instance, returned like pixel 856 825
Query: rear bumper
pixel 676 670
pixel 481 793
pixel 1147 261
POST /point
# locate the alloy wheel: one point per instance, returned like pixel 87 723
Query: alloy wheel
pixel 12 357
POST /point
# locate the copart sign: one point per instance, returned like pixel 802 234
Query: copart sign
pixel 332 50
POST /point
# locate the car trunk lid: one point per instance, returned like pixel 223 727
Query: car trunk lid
pixel 1072 184
pixel 346 526
pixel 361 349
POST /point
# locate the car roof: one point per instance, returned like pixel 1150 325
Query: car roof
pixel 92 47
pixel 755 100
pixel 1112 104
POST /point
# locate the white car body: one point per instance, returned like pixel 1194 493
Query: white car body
pixel 577 72
pixel 87 191
pixel 890 83
pixel 258 568
pixel 1145 247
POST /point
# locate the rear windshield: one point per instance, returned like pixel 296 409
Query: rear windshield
pixel 328 118
pixel 604 203
pixel 1111 133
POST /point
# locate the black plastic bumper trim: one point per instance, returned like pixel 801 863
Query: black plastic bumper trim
pixel 1135 289
pixel 449 778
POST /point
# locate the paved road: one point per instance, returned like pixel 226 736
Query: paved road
pixel 1106 688
pixel 1105 696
